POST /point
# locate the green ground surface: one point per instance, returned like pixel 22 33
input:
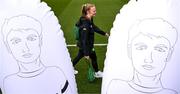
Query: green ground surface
pixel 68 12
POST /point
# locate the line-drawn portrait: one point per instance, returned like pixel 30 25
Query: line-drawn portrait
pixel 22 36
pixel 150 45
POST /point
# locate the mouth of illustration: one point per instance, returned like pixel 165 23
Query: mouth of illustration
pixel 148 67
pixel 27 55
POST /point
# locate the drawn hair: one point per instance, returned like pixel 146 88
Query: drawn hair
pixel 164 28
pixel 18 23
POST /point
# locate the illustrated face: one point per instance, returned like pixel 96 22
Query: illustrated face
pixel 149 54
pixel 92 11
pixel 24 45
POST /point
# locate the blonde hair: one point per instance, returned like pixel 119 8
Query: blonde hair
pixel 85 8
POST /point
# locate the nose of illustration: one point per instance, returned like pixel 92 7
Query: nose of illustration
pixel 25 47
pixel 148 58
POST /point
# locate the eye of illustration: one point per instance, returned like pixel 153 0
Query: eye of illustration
pixel 140 46
pixel 160 48
pixel 32 37
pixel 15 41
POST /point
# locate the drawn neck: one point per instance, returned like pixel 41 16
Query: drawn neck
pixel 147 81
pixel 30 67
pixel 146 84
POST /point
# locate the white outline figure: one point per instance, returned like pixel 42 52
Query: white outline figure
pixel 22 36
pixel 150 46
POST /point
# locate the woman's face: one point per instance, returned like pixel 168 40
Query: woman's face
pixel 92 11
